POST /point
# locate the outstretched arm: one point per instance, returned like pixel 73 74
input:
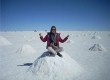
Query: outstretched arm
pixel 43 39
pixel 63 40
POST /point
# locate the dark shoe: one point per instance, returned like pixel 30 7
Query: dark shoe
pixel 59 54
pixel 51 54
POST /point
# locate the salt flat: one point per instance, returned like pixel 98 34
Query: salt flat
pixel 87 51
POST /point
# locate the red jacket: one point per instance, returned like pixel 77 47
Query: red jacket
pixel 59 39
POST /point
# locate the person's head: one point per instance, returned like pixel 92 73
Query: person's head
pixel 53 29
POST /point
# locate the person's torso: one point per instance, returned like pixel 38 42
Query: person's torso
pixel 53 38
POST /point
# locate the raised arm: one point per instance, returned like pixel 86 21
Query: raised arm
pixel 43 39
pixel 63 40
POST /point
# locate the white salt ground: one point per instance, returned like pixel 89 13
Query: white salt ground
pixel 4 41
pixel 97 47
pixel 55 68
pixel 96 64
pixel 25 49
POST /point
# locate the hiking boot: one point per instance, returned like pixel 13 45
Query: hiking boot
pixel 59 54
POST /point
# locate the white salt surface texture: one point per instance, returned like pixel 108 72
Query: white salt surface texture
pixel 55 68
pixel 70 41
pixel 26 49
pixel 4 41
pixel 96 37
pixel 97 47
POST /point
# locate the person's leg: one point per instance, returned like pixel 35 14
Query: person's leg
pixel 50 49
pixel 58 50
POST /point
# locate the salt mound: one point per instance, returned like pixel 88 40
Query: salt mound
pixel 4 41
pixel 97 47
pixel 96 37
pixel 55 68
pixel 26 49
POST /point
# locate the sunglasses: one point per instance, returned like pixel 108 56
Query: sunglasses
pixel 53 29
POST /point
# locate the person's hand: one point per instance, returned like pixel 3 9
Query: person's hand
pixel 40 34
pixel 67 36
